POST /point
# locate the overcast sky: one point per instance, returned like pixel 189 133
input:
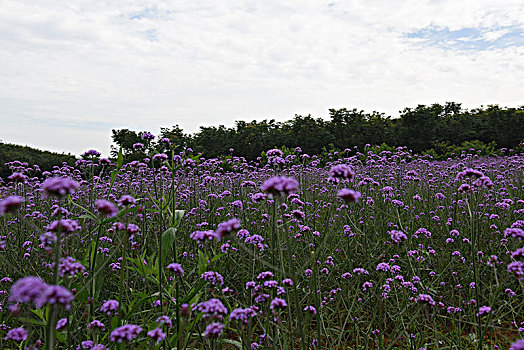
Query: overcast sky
pixel 72 70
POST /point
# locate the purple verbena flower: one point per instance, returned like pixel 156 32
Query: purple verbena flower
pixel 425 299
pixel 484 310
pixel 242 314
pixel 106 208
pixel 17 334
pixel 96 324
pixel 213 308
pixel 126 332
pixel 265 274
pixel 156 334
pixel 213 277
pixel 398 236
pixel 517 268
pixel 61 323
pixel 161 157
pixel 280 185
pixel 64 226
pixel 109 306
pixel 277 303
pixel 176 268
pixel 226 228
pixel 147 136
pixel 17 177
pixel 59 186
pixel 518 345
pixel 126 200
pixel 164 320
pixel 213 330
pixel 202 236
pixel 341 172
pixel 348 195
pixel 514 232
pixel 68 266
pixel 91 152
pixel 54 295
pixel 10 204
pixel 27 290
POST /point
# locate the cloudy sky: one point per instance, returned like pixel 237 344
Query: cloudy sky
pixel 72 70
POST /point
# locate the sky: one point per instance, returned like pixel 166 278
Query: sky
pixel 73 70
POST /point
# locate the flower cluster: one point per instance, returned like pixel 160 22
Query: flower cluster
pixel 280 185
pixel 33 290
pixel 126 332
pixel 10 204
pixel 59 186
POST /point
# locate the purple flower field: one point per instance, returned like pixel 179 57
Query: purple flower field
pixel 373 250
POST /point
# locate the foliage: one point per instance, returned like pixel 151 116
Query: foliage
pixel 44 159
pixel 420 129
pixel 378 248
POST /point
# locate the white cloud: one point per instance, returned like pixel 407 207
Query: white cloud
pixel 89 66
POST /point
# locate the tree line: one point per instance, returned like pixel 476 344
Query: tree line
pixel 438 130
pixel 435 128
pixel 44 159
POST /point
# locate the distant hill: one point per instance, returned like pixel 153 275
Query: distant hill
pixel 32 156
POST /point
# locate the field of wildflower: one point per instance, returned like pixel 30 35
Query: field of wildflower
pixel 354 250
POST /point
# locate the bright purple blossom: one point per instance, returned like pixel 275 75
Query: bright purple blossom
pixel 96 324
pixel 106 208
pixel 10 204
pixel 518 345
pixel 348 195
pixel 92 153
pixel 68 266
pixel 147 136
pixel 59 186
pixel 227 228
pixel 483 310
pixel 277 303
pixel 64 226
pixel 109 306
pixel 17 334
pixel 126 332
pixel 341 172
pixel 176 268
pixel 202 236
pixel 213 330
pixel 213 277
pixel 280 185
pixel 126 200
pixel 61 323
pixel 156 334
pixel 160 157
pixel 54 295
pixel 425 299
pixel 213 308
pixel 27 290
pixel 397 236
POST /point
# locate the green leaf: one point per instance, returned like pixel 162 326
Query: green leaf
pixel 114 173
pixel 193 292
pixel 202 262
pixel 100 275
pixel 32 321
pixel 140 299
pixel 179 215
pixel 120 159
pixel 60 337
pixel 233 342
pixel 168 237
pixel 216 257
pixel 114 322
